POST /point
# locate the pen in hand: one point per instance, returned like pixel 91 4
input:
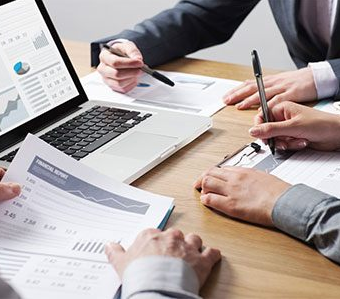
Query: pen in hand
pixel 144 68
pixel 263 100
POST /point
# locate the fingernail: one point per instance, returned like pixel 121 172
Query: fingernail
pixel 254 131
pixel 302 144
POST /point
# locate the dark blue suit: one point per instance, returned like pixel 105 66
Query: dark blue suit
pixel 196 24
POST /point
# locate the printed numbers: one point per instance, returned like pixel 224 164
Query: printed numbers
pixel 10 214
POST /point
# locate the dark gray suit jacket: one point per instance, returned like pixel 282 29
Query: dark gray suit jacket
pixel 196 24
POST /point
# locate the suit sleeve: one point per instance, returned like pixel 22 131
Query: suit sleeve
pixel 157 277
pixel 335 64
pixel 311 216
pixel 189 26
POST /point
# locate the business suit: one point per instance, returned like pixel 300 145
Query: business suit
pixel 195 24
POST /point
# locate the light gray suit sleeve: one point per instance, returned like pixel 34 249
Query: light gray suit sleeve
pixel 189 26
pixel 157 277
pixel 311 216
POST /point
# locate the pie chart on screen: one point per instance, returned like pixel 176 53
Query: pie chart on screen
pixel 22 68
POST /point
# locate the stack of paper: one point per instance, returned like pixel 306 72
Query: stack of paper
pixel 53 236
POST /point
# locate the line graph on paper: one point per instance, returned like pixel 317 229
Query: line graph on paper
pixel 77 187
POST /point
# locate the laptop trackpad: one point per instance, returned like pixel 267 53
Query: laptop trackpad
pixel 141 146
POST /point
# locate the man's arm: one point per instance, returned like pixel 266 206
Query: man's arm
pixel 335 64
pixel 189 26
pixel 311 216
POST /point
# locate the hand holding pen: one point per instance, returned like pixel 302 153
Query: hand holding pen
pixel 121 66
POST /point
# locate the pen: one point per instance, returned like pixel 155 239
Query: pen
pixel 144 68
pixel 263 100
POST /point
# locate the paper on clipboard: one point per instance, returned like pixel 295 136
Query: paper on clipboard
pixel 317 169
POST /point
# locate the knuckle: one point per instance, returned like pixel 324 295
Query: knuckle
pixel 175 233
pixel 206 181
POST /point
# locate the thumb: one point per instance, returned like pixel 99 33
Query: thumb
pixel 269 130
pixel 9 190
pixel 114 252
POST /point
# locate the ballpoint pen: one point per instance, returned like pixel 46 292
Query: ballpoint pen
pixel 263 99
pixel 144 68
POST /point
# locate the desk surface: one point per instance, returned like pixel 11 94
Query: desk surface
pixel 257 262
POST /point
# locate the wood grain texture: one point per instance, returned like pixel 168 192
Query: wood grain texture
pixel 257 262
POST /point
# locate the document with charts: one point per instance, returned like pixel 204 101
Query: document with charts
pixel 193 94
pixel 319 170
pixel 53 236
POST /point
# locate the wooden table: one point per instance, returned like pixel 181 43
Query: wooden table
pixel 257 262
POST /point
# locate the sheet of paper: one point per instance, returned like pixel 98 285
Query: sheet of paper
pixel 328 106
pixel 194 94
pixel 52 237
pixel 320 170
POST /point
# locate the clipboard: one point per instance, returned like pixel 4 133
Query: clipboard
pixel 245 151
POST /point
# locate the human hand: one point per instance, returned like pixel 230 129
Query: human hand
pixel 172 243
pixel 295 86
pixel 242 193
pixel 121 73
pixel 297 126
pixel 8 190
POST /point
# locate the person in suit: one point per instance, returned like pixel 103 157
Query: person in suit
pixel 310 28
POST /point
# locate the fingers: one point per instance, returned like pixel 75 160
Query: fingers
pixel 117 62
pixel 220 173
pixel 174 233
pixel 130 49
pixel 194 241
pixel 212 255
pixel 122 86
pixel 292 144
pixel 114 253
pixel 212 184
pixel 9 190
pixel 118 74
pixel 2 173
pixel 121 73
pixel 271 94
pixel 217 202
pixel 241 92
pixel 270 130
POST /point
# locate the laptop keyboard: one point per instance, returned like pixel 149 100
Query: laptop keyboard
pixel 89 131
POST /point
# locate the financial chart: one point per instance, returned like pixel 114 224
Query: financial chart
pixel 30 63
pixel 53 236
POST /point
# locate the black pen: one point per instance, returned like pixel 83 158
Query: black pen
pixel 144 68
pixel 263 99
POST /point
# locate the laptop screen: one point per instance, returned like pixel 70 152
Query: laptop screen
pixel 34 78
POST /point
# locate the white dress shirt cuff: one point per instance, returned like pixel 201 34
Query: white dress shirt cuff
pixel 116 41
pixel 159 277
pixel 325 80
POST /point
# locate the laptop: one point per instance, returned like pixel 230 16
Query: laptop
pixel 40 93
